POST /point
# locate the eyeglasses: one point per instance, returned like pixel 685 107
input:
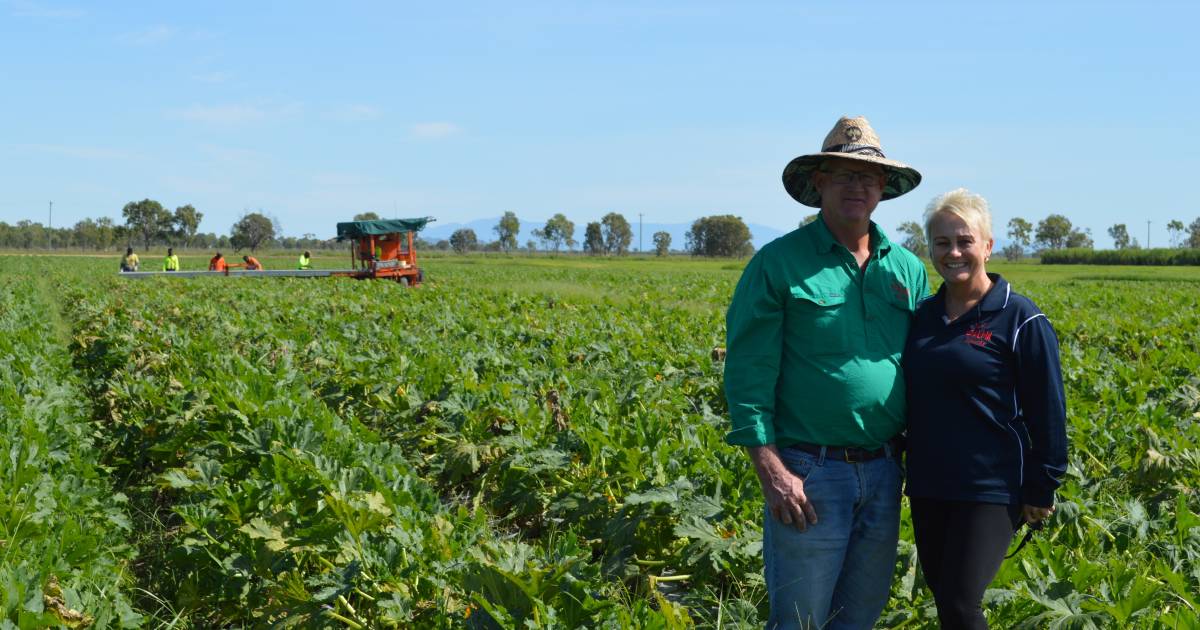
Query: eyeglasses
pixel 866 178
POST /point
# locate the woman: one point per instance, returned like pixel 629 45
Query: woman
pixel 986 413
pixel 130 262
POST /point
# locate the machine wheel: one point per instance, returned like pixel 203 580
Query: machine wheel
pixel 405 281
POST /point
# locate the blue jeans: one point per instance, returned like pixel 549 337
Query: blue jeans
pixel 837 574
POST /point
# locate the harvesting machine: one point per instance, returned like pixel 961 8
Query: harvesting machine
pixel 381 249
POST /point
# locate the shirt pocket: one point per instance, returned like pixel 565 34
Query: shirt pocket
pixel 817 320
pixel 890 317
pixel 895 291
pixel 901 303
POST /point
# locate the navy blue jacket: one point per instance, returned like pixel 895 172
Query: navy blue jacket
pixel 986 409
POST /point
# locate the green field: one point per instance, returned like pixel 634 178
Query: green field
pixel 523 441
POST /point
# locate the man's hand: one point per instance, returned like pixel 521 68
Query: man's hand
pixel 782 490
pixel 1034 514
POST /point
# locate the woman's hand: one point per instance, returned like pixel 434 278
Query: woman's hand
pixel 1035 514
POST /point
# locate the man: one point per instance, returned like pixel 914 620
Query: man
pixel 252 263
pixel 171 262
pixel 217 263
pixel 305 261
pixel 812 377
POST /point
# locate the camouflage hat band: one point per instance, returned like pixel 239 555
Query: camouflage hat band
pixel 850 139
pixel 858 149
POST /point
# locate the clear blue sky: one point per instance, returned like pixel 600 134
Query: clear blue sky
pixel 313 111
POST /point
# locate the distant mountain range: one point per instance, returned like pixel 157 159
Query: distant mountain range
pixel 760 234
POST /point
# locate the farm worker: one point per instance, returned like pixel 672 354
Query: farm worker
pixel 217 263
pixel 812 377
pixel 130 262
pixel 306 260
pixel 171 262
pixel 252 263
pixel 987 432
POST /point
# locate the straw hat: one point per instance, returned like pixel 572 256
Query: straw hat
pixel 851 139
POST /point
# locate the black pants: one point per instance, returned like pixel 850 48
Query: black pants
pixel 961 546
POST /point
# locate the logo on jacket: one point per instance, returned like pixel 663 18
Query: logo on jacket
pixel 899 290
pixel 977 335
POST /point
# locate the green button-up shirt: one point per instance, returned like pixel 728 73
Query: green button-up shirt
pixel 814 342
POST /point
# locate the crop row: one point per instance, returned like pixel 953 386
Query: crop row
pixel 64 554
pixel 275 509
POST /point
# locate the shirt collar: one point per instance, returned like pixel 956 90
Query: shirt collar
pixel 824 241
pixel 880 243
pixel 994 300
pixel 997 297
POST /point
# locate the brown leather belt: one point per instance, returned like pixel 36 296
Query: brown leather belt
pixel 851 454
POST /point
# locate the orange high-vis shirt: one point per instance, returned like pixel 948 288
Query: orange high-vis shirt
pixel 252 264
pixel 217 263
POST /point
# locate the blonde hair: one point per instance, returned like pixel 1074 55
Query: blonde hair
pixel 964 204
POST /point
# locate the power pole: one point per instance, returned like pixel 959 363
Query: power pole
pixel 639 232
pixel 49 228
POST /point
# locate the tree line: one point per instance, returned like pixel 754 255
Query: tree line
pixel 148 223
pixel 1188 236
pixel 1056 232
pixel 722 235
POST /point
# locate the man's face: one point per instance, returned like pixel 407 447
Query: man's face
pixel 849 189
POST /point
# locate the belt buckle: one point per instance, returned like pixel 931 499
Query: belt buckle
pixel 849 454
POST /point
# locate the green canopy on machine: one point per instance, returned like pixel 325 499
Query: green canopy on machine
pixel 357 229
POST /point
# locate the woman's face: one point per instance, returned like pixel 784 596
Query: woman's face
pixel 959 252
